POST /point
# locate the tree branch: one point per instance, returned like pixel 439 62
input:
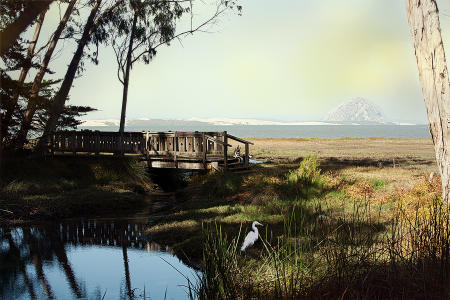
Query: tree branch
pixel 177 36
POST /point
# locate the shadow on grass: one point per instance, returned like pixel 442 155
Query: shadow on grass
pixel 70 186
pixel 385 281
pixel 335 164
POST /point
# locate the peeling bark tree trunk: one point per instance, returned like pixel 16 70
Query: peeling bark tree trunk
pixel 32 101
pixel 423 20
pixel 23 74
pixel 60 98
pixel 12 32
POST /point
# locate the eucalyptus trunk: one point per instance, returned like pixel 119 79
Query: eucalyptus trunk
pixel 126 79
pixel 60 98
pixel 423 18
pixel 12 32
pixel 23 74
pixel 32 101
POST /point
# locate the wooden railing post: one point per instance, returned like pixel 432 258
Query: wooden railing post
pixel 247 155
pixel 97 142
pixel 204 149
pixel 146 151
pixel 175 142
pixel 120 143
pixel 225 150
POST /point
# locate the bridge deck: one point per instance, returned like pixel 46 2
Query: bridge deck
pixel 181 150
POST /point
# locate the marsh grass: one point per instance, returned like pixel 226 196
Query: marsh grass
pixel 221 270
pixel 351 258
pixel 355 245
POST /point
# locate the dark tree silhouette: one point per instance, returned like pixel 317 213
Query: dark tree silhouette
pixel 11 105
pixel 12 31
pixel 32 101
pixel 90 29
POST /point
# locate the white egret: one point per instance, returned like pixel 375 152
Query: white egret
pixel 251 237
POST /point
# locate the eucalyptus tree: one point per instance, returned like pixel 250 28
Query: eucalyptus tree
pixel 12 103
pixel 94 31
pixel 32 101
pixel 89 32
pixel 423 18
pixel 23 14
pixel 144 25
pixel 154 25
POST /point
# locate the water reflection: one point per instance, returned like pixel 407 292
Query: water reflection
pixel 87 259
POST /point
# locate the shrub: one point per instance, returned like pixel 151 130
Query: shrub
pixel 307 173
pixel 305 181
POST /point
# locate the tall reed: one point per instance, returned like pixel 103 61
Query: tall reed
pixel 354 255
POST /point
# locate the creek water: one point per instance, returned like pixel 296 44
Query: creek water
pixel 89 259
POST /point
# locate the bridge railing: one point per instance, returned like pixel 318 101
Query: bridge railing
pixel 190 144
pixel 97 142
pixel 146 142
pixel 173 145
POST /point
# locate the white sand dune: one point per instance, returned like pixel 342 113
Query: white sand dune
pixel 218 122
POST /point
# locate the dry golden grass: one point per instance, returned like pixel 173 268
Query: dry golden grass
pixel 352 170
pixel 350 148
pixel 399 162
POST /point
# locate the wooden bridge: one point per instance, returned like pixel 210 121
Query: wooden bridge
pixel 171 150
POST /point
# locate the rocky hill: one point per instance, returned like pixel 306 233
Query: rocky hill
pixel 356 110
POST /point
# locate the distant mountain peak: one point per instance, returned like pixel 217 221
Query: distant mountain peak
pixel 356 110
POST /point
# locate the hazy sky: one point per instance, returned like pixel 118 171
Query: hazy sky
pixel 289 60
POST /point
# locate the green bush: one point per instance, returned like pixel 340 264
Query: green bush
pixel 307 173
pixel 305 181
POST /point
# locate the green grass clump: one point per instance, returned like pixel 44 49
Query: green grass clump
pixel 305 181
pixel 307 173
pixel 378 183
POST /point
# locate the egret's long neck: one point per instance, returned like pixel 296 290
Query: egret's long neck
pixel 255 229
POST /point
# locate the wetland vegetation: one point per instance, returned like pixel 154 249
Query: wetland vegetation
pixel 359 220
pixel 347 218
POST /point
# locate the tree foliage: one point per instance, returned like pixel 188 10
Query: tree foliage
pixel 91 24
pixel 69 118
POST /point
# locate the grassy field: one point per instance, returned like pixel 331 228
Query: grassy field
pixel 345 218
pixel 357 219
pixel 350 148
pixel 348 166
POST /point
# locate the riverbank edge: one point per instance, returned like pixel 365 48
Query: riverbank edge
pixel 34 189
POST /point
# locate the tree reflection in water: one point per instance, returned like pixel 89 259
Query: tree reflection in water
pixel 43 261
